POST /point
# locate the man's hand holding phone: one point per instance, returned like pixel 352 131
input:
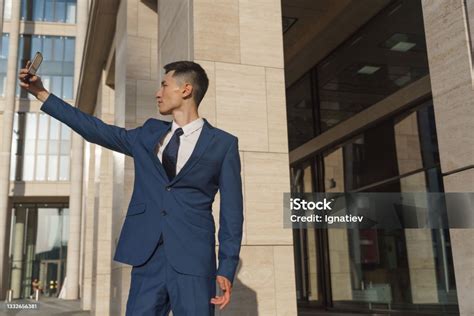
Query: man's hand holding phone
pixel 32 83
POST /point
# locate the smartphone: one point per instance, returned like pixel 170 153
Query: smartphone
pixel 37 59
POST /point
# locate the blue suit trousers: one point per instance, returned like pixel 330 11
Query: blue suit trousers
pixel 156 288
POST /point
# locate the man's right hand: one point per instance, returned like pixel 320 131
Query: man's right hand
pixel 33 85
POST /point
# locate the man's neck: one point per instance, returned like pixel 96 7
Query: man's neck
pixel 183 118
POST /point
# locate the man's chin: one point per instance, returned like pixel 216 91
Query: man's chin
pixel 164 112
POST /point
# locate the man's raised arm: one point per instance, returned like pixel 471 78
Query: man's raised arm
pixel 90 127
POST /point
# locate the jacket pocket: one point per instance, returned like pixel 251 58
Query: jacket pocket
pixel 136 208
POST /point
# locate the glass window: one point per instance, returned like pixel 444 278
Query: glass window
pixel 64 168
pixel 385 55
pixel 47 48
pixel 38 10
pixel 61 11
pixel 14 148
pixel 52 168
pixel 58 49
pixel 68 83
pixel 3 63
pixel 41 167
pixel 69 50
pixel 37 144
pixel 28 167
pixel 42 231
pixel 57 69
pixel 299 104
pixel 7 9
pixel 49 10
pixel 71 11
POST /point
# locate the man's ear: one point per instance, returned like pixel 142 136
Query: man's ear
pixel 187 90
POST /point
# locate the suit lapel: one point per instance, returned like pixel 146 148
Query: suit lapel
pixel 207 134
pixel 152 144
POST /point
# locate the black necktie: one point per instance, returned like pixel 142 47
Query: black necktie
pixel 170 154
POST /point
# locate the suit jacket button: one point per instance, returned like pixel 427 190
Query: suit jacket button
pixel 163 212
pixel 168 188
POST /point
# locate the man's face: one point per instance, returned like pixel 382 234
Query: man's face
pixel 170 94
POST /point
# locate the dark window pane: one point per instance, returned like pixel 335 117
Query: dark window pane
pixel 299 105
pixel 385 55
pixel 38 10
pixel 58 48
pixel 47 48
pixel 60 11
pixel 69 49
pixel 49 10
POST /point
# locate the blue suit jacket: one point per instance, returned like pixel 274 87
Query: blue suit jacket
pixel 181 209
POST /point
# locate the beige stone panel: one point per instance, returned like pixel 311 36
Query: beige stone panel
pixel 170 14
pixel 40 188
pixel 138 57
pixel 341 287
pixel 451 80
pixel 421 266
pixel 462 241
pixel 276 110
pixel 423 286
pixel 154 67
pixel 102 299
pixel 254 284
pixel 132 17
pixel 216 30
pixel 261 40
pixel 266 179
pixel 48 28
pixel 207 108
pixel 146 101
pixel 241 104
pixel 147 21
pixel 339 259
pixel 285 295
pixel 463 257
pixel 131 102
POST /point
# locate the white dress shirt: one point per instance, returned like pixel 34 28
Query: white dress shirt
pixel 187 141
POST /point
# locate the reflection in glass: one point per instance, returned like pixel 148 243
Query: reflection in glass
pixel 38 248
pixel 57 68
pixel 3 62
pixel 391 269
pixel 36 152
pixel 299 103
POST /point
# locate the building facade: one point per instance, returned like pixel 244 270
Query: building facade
pixel 343 96
pixel 36 162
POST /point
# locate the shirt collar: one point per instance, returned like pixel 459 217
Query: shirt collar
pixel 188 128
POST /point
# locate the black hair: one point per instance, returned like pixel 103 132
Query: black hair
pixel 194 73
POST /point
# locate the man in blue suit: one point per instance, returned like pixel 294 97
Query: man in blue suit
pixel 168 235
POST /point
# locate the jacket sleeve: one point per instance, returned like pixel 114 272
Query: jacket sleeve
pixel 90 127
pixel 231 213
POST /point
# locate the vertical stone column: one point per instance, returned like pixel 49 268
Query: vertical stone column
pixel 88 238
pixel 7 130
pixel 246 97
pixel 17 251
pixel 104 245
pixel 77 152
pixel 451 72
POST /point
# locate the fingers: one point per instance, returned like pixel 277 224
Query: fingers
pixel 223 300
